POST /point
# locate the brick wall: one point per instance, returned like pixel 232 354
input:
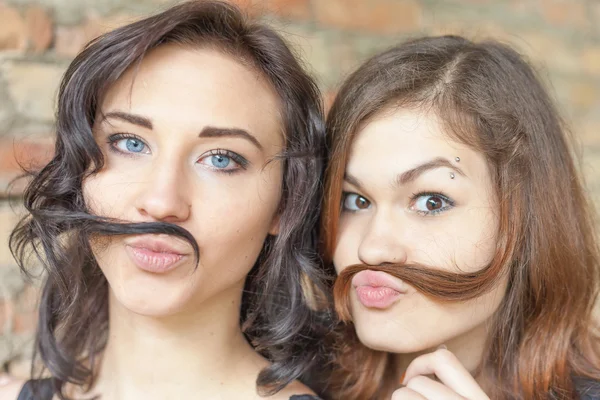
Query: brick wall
pixel 38 38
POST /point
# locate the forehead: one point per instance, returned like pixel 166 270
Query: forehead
pixel 197 87
pixel 404 130
pixel 400 139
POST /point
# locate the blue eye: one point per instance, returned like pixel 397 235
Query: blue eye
pixel 223 161
pixel 126 143
pixel 354 202
pixel 431 203
pixel 220 161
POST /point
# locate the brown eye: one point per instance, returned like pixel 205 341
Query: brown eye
pixel 434 203
pixel 355 202
pixel 431 203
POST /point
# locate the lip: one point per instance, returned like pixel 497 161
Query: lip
pixel 155 254
pixel 376 289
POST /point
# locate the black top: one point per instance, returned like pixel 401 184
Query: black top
pixel 37 389
pixel 588 390
pixel 44 391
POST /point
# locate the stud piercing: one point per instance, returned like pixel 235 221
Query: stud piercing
pixel 452 175
pixel 457 159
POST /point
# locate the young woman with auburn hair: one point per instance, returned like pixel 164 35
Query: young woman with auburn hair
pixel 459 227
pixel 175 248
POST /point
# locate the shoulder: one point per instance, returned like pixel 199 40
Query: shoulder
pixel 588 389
pixel 10 387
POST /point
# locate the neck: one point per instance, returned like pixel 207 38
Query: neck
pixel 176 356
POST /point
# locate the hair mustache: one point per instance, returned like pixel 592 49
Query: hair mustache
pixel 85 226
pixel 432 282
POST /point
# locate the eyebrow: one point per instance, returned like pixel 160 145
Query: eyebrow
pixel 209 131
pixel 131 118
pixel 353 181
pixel 413 173
pixel 212 131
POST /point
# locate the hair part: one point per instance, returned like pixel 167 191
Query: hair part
pixel 73 316
pixel 489 98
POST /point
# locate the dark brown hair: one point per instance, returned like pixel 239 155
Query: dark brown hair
pixel 275 317
pixel 489 98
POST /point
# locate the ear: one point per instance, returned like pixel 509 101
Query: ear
pixel 274 229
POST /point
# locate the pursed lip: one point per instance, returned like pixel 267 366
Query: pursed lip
pixel 378 279
pixel 154 253
pixel 377 289
pixel 158 244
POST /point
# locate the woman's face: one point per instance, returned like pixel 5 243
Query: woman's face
pixel 187 139
pixel 412 195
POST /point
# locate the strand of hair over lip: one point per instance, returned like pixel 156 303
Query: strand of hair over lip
pixel 434 283
pixel 88 224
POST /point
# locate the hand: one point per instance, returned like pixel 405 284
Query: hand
pixel 454 381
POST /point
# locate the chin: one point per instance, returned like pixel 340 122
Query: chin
pixel 399 341
pixel 150 297
pixel 382 332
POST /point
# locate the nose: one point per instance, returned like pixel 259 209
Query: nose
pixel 164 194
pixel 382 241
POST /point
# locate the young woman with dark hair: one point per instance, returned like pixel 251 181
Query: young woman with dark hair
pixel 463 238
pixel 176 221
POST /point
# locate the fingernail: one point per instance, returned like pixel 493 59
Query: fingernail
pixel 442 347
pixel 402 378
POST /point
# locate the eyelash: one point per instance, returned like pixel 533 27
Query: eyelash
pixel 238 159
pixel 112 139
pixel 346 194
pixel 415 196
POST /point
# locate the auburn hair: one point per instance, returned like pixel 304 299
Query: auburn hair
pixel 543 339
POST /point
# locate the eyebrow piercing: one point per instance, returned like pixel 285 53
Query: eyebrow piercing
pixel 457 159
pixel 452 175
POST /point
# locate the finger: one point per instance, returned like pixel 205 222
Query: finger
pixel 431 389
pixel 406 394
pixel 446 367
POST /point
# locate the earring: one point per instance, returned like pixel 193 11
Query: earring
pixel 452 175
pixel 457 159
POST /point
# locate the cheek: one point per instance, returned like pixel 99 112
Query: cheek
pixel 464 243
pixel 232 219
pixel 105 194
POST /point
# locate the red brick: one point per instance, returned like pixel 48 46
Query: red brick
pixel 590 60
pixel 13 30
pixel 548 52
pixel 252 7
pixel 589 133
pixel 380 16
pixel 584 94
pixel 96 26
pixel 29 153
pixel 33 87
pixel 564 12
pixel 595 13
pixel 39 27
pixel 25 321
pixel 475 31
pixel 298 9
pixel 70 40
